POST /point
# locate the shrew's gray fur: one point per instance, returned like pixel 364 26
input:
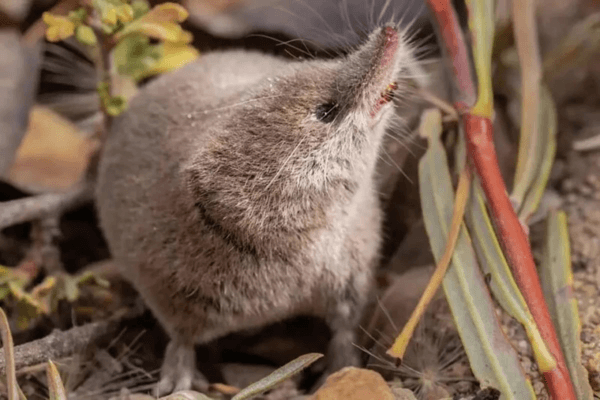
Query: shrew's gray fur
pixel 239 191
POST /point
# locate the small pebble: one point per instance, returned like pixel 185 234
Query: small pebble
pixel 568 185
pixel 586 337
pixel 593 181
pixel 538 387
pixel 585 190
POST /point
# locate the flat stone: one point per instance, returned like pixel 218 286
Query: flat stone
pixel 354 384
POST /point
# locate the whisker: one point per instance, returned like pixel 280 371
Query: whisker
pixel 287 43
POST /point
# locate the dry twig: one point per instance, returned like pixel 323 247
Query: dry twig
pixel 59 344
pixel 23 210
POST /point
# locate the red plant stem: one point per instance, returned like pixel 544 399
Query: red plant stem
pixel 480 145
pixel 515 243
pixel 456 51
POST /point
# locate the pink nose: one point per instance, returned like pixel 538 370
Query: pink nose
pixel 391 43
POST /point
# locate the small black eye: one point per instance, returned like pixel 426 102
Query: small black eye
pixel 327 112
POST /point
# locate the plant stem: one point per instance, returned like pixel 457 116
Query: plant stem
pixel 480 145
pixel 515 243
pixel 456 52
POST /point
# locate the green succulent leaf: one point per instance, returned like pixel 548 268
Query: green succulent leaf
pixel 493 360
pixel 85 35
pixel 557 282
pixel 134 55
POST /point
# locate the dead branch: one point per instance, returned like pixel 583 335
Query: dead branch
pixel 59 344
pixel 23 210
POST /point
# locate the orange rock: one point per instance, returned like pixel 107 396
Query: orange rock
pixel 354 384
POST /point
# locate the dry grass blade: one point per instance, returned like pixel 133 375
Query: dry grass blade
pixel 55 384
pixel 493 360
pixel 281 374
pixel 14 392
pixel 557 282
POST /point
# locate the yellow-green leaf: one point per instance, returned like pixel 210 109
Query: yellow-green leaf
pixel 26 298
pixel 85 35
pixel 124 13
pixel 78 16
pixel 168 31
pixel 134 55
pixel 109 16
pixel 174 55
pixel 162 22
pixel 44 288
pixel 115 105
pixel 166 12
pixel 15 275
pixel 59 28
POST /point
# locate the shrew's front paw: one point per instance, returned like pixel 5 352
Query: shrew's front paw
pixel 178 371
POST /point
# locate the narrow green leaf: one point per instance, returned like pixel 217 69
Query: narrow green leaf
pixel 557 282
pixel 543 153
pixel 287 371
pixel 56 388
pixel 503 285
pixel 493 360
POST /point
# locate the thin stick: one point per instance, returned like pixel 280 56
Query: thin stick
pixel 58 344
pixel 23 210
